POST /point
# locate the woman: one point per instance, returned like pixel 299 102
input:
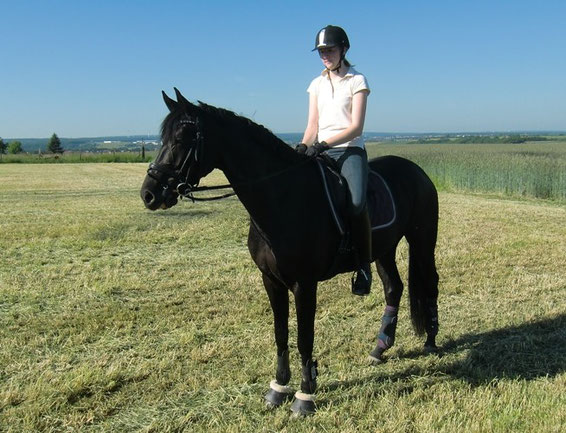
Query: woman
pixel 337 109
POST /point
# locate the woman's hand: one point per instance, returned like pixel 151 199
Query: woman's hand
pixel 317 148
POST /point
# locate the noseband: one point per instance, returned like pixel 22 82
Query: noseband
pixel 178 180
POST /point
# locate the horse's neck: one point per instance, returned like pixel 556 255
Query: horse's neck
pixel 248 162
pixel 267 178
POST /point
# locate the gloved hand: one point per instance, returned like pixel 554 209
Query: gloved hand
pixel 317 148
pixel 301 148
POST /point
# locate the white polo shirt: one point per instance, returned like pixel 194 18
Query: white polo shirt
pixel 335 103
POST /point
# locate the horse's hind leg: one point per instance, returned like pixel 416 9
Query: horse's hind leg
pixel 393 289
pixel 423 286
pixel 279 299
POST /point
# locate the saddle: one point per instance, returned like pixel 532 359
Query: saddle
pixel 380 202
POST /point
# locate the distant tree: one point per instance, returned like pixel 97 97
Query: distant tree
pixel 15 147
pixel 54 145
pixel 515 139
pixel 2 147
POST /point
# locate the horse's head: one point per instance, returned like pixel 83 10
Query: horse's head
pixel 180 163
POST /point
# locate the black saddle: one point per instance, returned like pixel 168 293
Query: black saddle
pixel 380 202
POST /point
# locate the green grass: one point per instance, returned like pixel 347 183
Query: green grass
pixel 117 319
pixel 532 169
pixel 76 157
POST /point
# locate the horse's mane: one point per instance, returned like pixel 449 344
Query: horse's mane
pixel 253 130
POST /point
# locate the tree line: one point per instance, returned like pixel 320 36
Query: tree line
pixel 481 139
pixel 15 147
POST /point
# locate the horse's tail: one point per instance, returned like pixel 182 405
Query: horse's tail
pixel 423 278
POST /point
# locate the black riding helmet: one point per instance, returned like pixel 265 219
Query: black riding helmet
pixel 331 36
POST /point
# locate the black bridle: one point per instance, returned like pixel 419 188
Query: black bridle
pixel 178 180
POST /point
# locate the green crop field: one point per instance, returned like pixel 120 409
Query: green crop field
pixel 117 319
pixel 531 169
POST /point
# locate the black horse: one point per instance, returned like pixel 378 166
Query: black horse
pixel 293 238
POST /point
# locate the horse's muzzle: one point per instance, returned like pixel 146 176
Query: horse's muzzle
pixel 154 196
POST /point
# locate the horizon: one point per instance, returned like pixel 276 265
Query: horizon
pixel 279 134
pixel 442 66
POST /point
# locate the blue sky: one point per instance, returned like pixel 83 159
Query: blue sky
pixel 91 68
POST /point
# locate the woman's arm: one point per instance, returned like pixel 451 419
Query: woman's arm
pixel 359 104
pixel 311 132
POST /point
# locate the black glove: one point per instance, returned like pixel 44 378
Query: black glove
pixel 317 148
pixel 301 148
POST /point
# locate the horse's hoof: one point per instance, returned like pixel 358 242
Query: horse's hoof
pixel 431 350
pixel 277 395
pixel 275 399
pixel 373 360
pixel 303 405
pixel 376 356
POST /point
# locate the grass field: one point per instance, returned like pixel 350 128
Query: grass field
pixel 76 157
pixel 116 319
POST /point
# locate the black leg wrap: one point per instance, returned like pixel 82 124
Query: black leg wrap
pixel 386 337
pixel 279 393
pixel 304 400
pixel 283 374
pixel 310 372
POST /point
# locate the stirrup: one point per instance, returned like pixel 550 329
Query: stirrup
pixel 361 281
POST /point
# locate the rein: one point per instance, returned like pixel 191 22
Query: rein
pixel 184 187
pixel 189 194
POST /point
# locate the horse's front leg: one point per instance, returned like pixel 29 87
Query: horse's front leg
pixel 278 295
pixel 305 304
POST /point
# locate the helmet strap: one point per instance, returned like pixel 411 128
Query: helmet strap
pixel 342 57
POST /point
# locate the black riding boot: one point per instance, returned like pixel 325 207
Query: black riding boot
pixel 361 237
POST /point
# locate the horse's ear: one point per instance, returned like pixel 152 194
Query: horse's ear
pixel 171 104
pixel 183 101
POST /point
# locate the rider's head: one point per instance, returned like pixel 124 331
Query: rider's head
pixel 332 39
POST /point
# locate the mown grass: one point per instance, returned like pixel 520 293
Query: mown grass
pixel 532 169
pixel 113 318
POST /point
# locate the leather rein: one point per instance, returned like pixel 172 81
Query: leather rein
pixel 184 187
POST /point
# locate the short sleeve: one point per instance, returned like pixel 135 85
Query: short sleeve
pixel 360 83
pixel 313 86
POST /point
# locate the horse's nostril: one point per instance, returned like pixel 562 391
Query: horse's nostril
pixel 148 197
